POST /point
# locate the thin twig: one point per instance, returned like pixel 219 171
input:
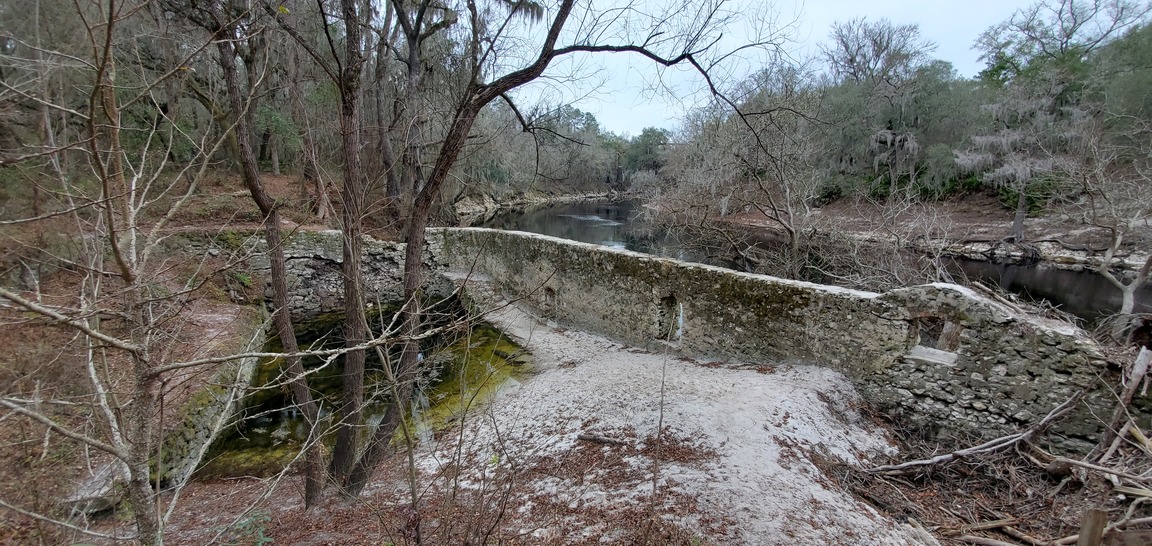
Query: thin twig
pixel 985 541
pixel 987 447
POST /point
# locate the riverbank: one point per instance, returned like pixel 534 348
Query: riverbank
pixel 1060 259
pixel 475 210
pixel 974 226
pixel 605 443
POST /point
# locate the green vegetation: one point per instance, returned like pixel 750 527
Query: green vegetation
pixel 125 124
pixel 463 374
pixel 249 531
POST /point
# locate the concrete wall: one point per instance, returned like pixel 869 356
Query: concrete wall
pixel 993 370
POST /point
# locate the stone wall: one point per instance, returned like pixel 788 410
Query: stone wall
pixel 208 413
pixel 939 357
pixel 314 259
pixel 704 311
pixel 1002 370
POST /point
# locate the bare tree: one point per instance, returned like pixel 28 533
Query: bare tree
pixel 489 73
pixel 1113 168
pixel 231 26
pixel 127 306
pixel 882 61
pixel 344 66
pixel 879 53
pixel 769 160
pixel 1053 32
pixel 1035 55
pixel 1022 151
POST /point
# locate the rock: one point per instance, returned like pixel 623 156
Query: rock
pixel 100 491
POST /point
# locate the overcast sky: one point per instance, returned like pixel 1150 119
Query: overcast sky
pixel 620 98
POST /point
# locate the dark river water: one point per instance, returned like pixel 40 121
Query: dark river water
pixel 616 224
pixel 620 225
pixel 1084 294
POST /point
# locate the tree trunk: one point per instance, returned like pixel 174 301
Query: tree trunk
pixel 274 151
pixel 279 277
pixel 475 98
pixel 405 374
pixel 1128 299
pixel 413 119
pixel 1017 234
pixel 355 323
pixel 413 280
pixel 265 143
pixel 384 134
pixel 892 176
pixel 139 418
pixel 148 529
pixel 1127 291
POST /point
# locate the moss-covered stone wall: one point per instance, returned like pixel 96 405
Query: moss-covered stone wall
pixel 209 412
pixel 704 311
pixel 995 370
pixel 315 284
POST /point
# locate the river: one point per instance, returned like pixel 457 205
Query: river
pixel 619 224
pixel 616 224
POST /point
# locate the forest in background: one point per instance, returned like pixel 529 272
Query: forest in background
pixel 1058 119
pixel 1063 93
pixel 122 123
pixel 1058 123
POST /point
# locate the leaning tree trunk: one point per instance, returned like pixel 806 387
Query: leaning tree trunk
pixel 301 395
pixel 410 314
pixel 1017 234
pixel 1128 291
pixel 476 97
pixel 408 367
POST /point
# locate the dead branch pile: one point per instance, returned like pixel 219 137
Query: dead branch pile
pixel 1009 491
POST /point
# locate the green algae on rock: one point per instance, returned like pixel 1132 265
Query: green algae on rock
pixel 461 374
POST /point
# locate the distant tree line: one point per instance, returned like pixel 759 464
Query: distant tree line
pixel 125 122
pixel 1060 118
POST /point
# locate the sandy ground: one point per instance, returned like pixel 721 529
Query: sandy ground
pixel 567 453
pixel 743 443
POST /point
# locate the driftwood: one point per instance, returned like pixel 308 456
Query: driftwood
pixel 1122 457
pixel 987 447
pixel 982 541
pixel 984 526
pixel 996 296
pixel 600 439
pixel 1065 246
pixel 1022 536
pixel 1120 415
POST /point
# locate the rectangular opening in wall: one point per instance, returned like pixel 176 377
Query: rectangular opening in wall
pixel 549 305
pixel 937 333
pixel 668 321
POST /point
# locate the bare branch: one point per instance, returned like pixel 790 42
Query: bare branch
pixel 79 325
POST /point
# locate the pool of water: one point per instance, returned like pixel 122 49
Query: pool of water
pixel 464 371
pixel 1082 293
pixel 617 224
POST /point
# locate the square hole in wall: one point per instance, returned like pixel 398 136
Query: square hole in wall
pixel 549 305
pixel 669 320
pixel 937 333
